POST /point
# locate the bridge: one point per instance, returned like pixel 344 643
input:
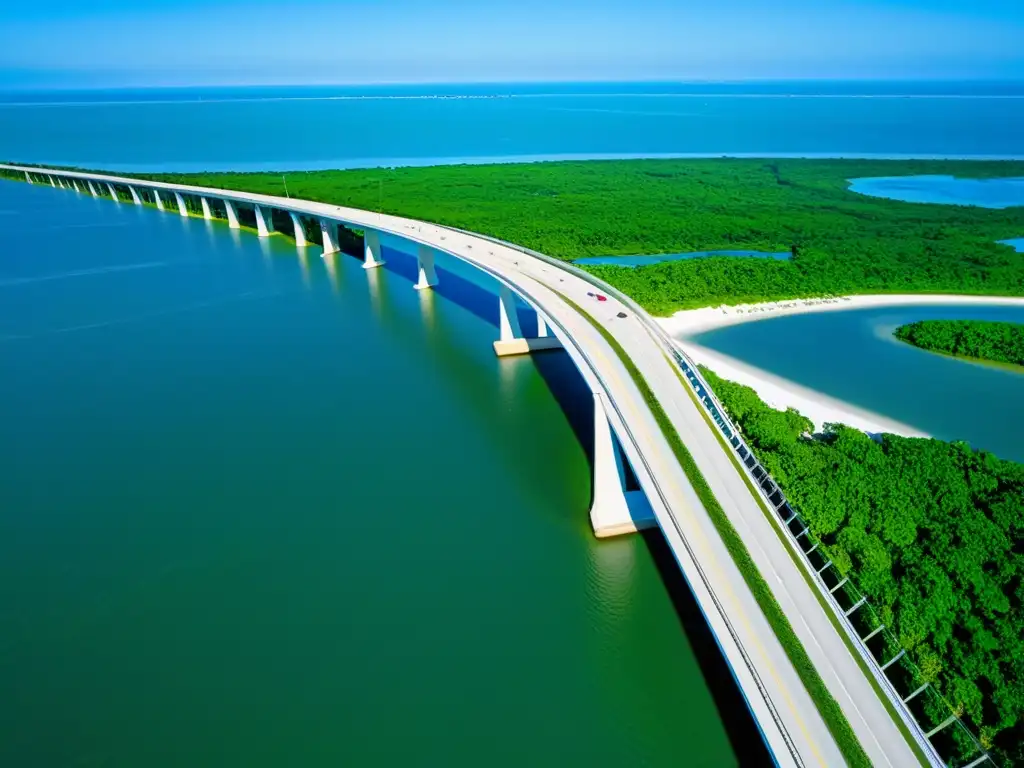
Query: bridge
pixel 626 431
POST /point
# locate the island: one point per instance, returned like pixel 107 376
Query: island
pixel 984 340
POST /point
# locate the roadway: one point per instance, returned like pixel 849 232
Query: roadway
pixel 788 718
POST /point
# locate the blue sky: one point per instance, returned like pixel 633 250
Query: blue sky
pixel 106 43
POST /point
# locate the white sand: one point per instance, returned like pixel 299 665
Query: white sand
pixel 693 321
pixel 782 393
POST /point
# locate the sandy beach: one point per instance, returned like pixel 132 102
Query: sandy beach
pixel 693 321
pixel 782 393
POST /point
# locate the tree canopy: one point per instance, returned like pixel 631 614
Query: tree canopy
pixel 998 342
pixel 931 531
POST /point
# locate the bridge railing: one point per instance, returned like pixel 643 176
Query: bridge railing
pixel 843 597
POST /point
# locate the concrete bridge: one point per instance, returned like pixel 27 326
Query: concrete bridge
pixel 625 430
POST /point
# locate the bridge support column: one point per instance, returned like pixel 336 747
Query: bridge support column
pixel 232 215
pixel 425 262
pixel 182 210
pixel 261 223
pixel 28 178
pixel 52 184
pixel 74 185
pixel 92 189
pixel 300 232
pixel 373 258
pixel 159 202
pixel 510 340
pixel 207 213
pixel 613 511
pixel 135 196
pixel 329 234
pixel 113 193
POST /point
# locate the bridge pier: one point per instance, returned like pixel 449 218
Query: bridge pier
pixel 329 234
pixel 135 196
pixel 92 189
pixel 300 232
pixel 261 223
pixel 614 511
pixel 182 210
pixel 113 194
pixel 510 340
pixel 159 202
pixel 425 262
pixel 207 213
pixel 28 178
pixel 232 215
pixel 373 258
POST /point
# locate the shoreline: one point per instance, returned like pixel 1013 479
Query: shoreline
pixel 690 322
pixel 780 393
pixel 370 163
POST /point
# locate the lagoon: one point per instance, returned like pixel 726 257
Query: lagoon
pixel 944 190
pixel 261 508
pixel 851 355
pixel 658 258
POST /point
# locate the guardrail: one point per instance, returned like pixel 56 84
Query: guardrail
pixel 802 540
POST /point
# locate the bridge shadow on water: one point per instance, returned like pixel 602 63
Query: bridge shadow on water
pixel 576 401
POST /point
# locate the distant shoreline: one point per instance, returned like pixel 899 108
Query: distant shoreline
pixel 355 164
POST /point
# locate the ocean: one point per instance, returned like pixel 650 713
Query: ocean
pixel 297 128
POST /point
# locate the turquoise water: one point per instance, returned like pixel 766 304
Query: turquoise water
pixel 259 508
pixel 337 127
pixel 852 355
pixel 947 190
pixel 1017 244
pixel 640 261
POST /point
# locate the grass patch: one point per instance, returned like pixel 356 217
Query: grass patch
pixel 827 706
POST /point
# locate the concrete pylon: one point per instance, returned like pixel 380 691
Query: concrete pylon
pixel 28 178
pixel 159 202
pixel 232 215
pixel 373 257
pixel 92 189
pixel 207 213
pixel 261 223
pixel 510 335
pixel 425 262
pixel 113 193
pixel 135 196
pixel 613 511
pixel 300 232
pixel 182 210
pixel 329 234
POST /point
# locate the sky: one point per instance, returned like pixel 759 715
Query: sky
pixel 136 43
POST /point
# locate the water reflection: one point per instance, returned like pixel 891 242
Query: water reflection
pixel 331 264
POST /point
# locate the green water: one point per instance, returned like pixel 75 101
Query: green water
pixel 264 510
